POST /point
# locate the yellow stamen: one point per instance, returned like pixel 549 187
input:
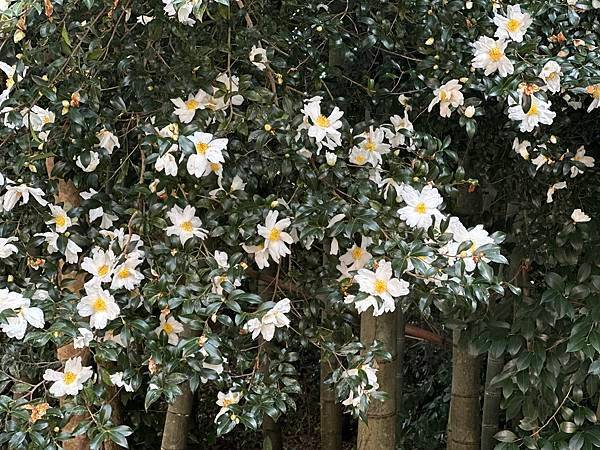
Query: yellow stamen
pixel 360 160
pixel 357 253
pixel 215 167
pixel 168 328
pixel 322 121
pixel 187 226
pixel 60 221
pixel 201 148
pixel 192 104
pixel 69 378
pixel 380 286
pixel 421 208
pixel 370 145
pixel 495 54
pixel 533 110
pixel 99 305
pixel 124 273
pixel 102 271
pixel 274 234
pixel 443 96
pixel 513 25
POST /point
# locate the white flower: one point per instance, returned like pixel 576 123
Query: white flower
pixel 69 382
pixel 6 248
pixel 331 158
pixel 514 25
pixel 71 252
pixel 539 161
pixel 521 148
pixel 274 318
pixel 358 156
pixel 539 112
pixel 551 73
pixel 222 259
pixel 183 12
pixel 99 305
pixel 261 61
pixel 594 91
pixel 186 110
pixel 231 86
pixel 275 237
pixel 381 284
pixel 185 224
pixel 420 206
pixel 167 162
pixel 144 20
pixel 171 327
pixel 489 55
pixel 261 254
pixel 554 188
pixel 100 265
pixel 92 165
pixel 469 111
pixel 16 326
pixel 356 257
pixel 37 117
pixel 84 338
pixel 170 131
pixel 108 140
pixel 22 192
pixel 580 157
pixel 396 138
pixel 226 400
pixel 117 380
pixel 126 275
pixel 86 195
pixel 59 218
pixel 107 218
pixel 579 216
pixel 208 150
pixel 447 95
pixel 372 144
pixel 476 235
pixel 323 128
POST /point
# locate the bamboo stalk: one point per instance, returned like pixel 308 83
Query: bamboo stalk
pixel 331 413
pixel 175 430
pixel 380 431
pixel 465 425
pixel 400 347
pixel 491 402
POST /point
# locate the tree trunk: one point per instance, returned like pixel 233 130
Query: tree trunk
pixel 400 343
pixel 491 402
pixel 464 404
pixel 175 431
pixel 331 413
pixel 380 432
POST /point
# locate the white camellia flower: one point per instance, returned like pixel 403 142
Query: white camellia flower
pixel 60 219
pixel 117 380
pixel 514 25
pixel 186 110
pixel 171 327
pixel 551 73
pixel 92 165
pixel 84 338
pixel 167 162
pixel 275 237
pixel 469 111
pixel 16 326
pixel 594 91
pixel 365 389
pixel 10 72
pixel 185 224
pixel 552 189
pixel 372 144
pixel 21 192
pixel 331 158
pixel 6 248
pixel 208 151
pixel 420 206
pixel 99 305
pixel 539 161
pixel 539 112
pixel 260 62
pixel 447 95
pixel 100 265
pixel 396 138
pixel 587 161
pixel 36 117
pixel 107 218
pixel 183 11
pixel 108 140
pixel 521 148
pixel 71 380
pixel 231 86
pixel 358 156
pixel 381 284
pixel 126 275
pixel 476 235
pixel 356 257
pixel 226 400
pixel 260 252
pixel 71 251
pixel 323 128
pixel 489 55
pixel 274 318
pixel 579 216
